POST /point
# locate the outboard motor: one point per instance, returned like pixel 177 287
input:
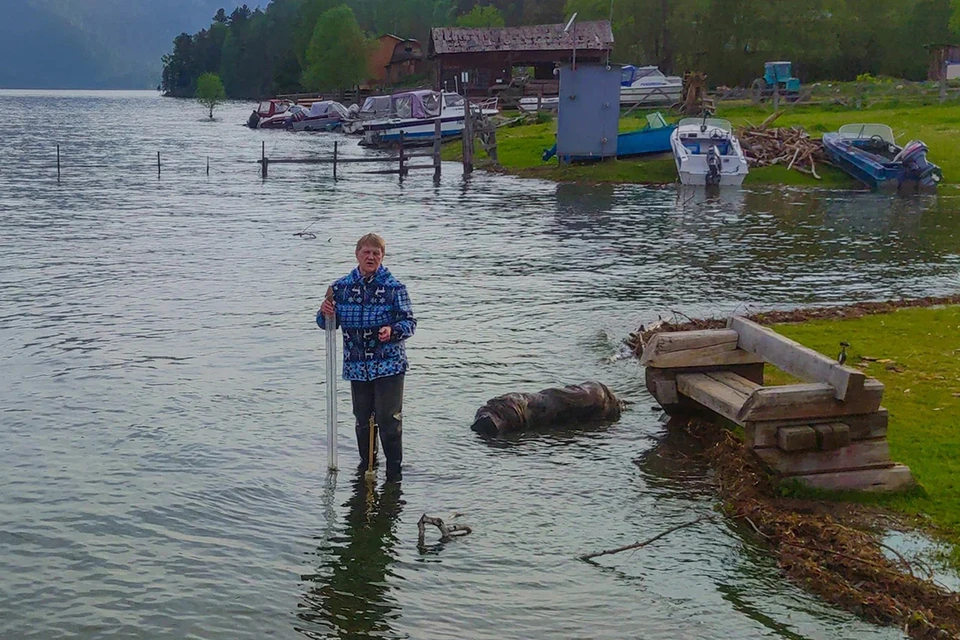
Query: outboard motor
pixel 253 120
pixel 917 167
pixel 714 163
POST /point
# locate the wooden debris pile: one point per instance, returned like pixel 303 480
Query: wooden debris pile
pixel 789 146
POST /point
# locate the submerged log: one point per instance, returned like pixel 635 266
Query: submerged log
pixel 577 403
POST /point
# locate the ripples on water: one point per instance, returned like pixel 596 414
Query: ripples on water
pixel 161 452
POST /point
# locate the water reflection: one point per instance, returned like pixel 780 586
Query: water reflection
pixel 349 595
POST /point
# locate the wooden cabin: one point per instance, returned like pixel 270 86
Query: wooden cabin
pixel 478 61
pixel 393 59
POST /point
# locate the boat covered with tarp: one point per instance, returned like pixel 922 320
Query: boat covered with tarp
pixel 869 153
pixel 373 108
pixel 323 115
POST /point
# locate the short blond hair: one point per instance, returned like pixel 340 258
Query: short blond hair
pixel 372 240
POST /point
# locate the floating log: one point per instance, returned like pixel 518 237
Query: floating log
pixel 580 403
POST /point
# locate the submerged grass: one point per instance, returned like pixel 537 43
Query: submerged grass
pixel 520 147
pixel 916 354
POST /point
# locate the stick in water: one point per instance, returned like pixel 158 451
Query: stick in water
pixel 370 474
pixel 637 545
pixel 331 324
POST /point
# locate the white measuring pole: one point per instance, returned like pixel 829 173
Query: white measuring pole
pixel 331 323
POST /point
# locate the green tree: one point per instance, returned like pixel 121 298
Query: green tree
pixel 955 19
pixel 486 16
pixel 210 91
pixel 337 55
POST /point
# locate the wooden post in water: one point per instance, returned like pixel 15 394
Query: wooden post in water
pixel 402 168
pixel 331 330
pixel 467 140
pixel 158 165
pixel 334 160
pixel 58 164
pixel 208 166
pixel 437 133
pixel 263 159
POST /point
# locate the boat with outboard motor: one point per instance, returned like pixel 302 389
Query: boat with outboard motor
pixel 869 153
pixel 648 85
pixel 270 114
pixel 415 113
pixel 374 108
pixel 707 153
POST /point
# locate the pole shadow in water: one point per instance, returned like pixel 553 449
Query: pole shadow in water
pixel 349 595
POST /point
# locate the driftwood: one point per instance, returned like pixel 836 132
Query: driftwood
pixel 446 531
pixel 578 403
pixel 637 545
pixel 787 145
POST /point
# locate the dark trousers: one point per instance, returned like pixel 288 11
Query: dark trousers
pixel 382 398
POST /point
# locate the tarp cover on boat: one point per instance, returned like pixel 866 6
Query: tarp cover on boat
pixel 327 108
pixel 416 104
pixel 630 74
pixel 375 107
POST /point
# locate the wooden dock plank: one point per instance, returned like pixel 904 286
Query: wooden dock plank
pixel 712 394
pixel 865 454
pixel 895 478
pixel 862 427
pixel 731 379
pixel 811 400
pixel 713 356
pixel 670 341
pixel 796 359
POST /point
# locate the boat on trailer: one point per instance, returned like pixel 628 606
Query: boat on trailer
pixel 707 153
pixel 415 113
pixel 869 153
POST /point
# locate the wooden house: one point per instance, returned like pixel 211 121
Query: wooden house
pixel 944 62
pixel 477 61
pixel 393 59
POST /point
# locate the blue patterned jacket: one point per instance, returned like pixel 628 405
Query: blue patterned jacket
pixel 364 305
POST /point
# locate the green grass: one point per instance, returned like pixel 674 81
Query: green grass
pixel 520 147
pixel 921 376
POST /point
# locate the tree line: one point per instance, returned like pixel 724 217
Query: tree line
pixel 309 45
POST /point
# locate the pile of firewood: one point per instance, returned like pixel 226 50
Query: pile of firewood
pixel 789 146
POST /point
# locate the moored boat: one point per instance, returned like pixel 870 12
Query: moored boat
pixel 707 153
pixel 374 108
pixel 648 86
pixel 869 153
pixel 415 113
pixel 324 115
pixel 653 138
pixel 269 114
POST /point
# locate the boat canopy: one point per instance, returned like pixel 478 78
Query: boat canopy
pixel 453 100
pixel 415 104
pixel 375 107
pixel 327 108
pixel 867 131
pixel 710 122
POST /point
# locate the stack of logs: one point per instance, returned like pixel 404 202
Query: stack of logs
pixel 789 146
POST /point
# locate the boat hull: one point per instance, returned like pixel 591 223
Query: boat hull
pixel 415 132
pixel 874 171
pixel 693 168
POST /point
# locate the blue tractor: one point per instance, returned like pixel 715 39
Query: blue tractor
pixel 776 80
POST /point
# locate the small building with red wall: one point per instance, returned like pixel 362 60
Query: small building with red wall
pixel 393 59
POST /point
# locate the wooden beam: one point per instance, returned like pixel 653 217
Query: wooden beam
pixel 895 478
pixel 717 355
pixel 810 400
pixel 796 359
pixel 862 427
pixel 712 394
pixel 670 341
pixel 731 379
pixel 865 454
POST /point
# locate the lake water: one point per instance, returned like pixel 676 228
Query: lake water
pixel 162 446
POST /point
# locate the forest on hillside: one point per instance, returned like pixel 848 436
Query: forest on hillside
pixel 262 53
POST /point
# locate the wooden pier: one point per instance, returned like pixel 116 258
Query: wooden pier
pixel 828 432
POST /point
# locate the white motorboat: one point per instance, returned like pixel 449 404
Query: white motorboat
pixel 415 113
pixel 707 153
pixel 532 105
pixel 648 85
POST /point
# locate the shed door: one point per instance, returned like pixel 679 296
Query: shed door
pixel 589 113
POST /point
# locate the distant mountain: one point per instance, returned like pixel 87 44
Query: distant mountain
pixel 95 44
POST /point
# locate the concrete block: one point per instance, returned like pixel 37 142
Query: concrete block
pixel 832 436
pixel 798 438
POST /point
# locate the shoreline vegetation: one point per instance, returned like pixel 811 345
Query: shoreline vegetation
pixel 831 542
pixel 520 146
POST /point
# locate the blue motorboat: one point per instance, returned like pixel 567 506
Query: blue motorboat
pixel 869 153
pixel 653 138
